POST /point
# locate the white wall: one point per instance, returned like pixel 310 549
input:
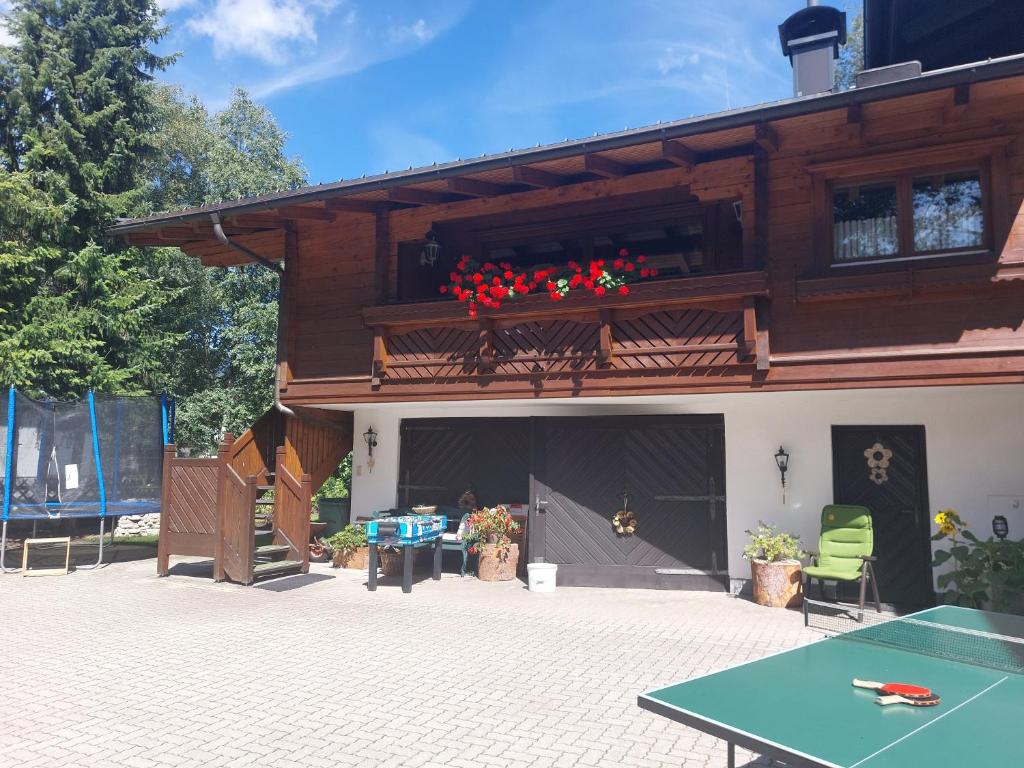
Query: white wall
pixel 975 448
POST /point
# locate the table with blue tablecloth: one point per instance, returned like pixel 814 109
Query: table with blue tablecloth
pixel 407 533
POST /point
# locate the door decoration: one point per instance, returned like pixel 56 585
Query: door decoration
pixel 623 521
pixel 878 457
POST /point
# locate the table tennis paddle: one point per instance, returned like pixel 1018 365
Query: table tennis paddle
pixel 895 689
pixel 921 701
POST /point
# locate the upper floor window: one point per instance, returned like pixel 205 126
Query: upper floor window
pixel 912 215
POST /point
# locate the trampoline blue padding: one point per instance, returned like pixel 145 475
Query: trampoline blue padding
pixel 87 458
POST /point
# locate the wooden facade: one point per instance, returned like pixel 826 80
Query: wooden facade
pixel 771 312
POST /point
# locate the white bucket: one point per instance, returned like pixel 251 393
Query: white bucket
pixel 541 576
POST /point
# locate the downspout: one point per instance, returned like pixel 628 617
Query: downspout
pixel 282 324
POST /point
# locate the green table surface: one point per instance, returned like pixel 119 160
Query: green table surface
pixel 799 705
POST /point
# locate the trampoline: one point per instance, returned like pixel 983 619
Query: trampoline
pixel 91 458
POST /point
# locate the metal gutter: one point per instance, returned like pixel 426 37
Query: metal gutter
pixel 994 69
pixel 221 235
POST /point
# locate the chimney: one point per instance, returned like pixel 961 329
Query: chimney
pixel 811 38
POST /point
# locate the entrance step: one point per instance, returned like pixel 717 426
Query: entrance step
pixel 276 568
pixel 269 550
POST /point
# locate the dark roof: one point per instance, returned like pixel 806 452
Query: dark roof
pixel 736 118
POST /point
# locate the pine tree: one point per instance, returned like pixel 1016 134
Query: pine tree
pixel 76 123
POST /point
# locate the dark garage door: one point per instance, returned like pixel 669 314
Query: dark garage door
pixel 672 471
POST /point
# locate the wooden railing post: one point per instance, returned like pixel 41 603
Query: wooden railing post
pixel 606 350
pixel 221 526
pixel 380 356
pixel 485 362
pixel 307 509
pixel 162 550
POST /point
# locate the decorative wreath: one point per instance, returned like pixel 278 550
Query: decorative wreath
pixel 624 523
pixel 878 457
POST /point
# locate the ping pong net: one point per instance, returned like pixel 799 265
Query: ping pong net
pixel 968 646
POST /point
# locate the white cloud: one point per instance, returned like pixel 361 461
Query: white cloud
pixel 263 29
pixel 419 30
pixel 6 38
pixel 174 5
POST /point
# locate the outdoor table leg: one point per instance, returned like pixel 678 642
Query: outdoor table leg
pixel 732 755
pixel 371 581
pixel 408 551
pixel 438 552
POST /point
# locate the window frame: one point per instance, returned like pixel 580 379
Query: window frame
pixel 905 219
pixel 986 155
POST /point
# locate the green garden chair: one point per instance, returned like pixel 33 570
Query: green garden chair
pixel 845 551
pixel 458 540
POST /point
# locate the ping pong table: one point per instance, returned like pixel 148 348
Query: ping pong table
pixel 799 706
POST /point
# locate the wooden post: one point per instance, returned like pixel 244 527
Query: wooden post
pixel 382 255
pixel 162 552
pixel 486 353
pixel 606 350
pixel 380 355
pixel 220 527
pixel 307 510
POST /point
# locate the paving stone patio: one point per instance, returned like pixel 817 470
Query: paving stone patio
pixel 117 667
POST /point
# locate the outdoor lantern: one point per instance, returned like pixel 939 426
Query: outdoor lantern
pixel 370 436
pixel 431 249
pixel 782 460
pixel 1000 527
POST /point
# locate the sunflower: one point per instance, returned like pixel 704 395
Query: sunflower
pixel 947 529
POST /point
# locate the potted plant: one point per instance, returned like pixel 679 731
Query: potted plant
pixel 349 546
pixel 319 551
pixel 490 532
pixel 774 566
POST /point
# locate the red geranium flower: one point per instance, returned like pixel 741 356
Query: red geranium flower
pixel 641 259
pixel 629 266
pixel 618 264
pixel 550 286
pixel 589 285
pixel 623 252
pixel 478 278
pixel 508 274
pixel 555 296
pixel 444 289
pixel 645 272
pixel 654 272
pixel 599 291
pixel 624 290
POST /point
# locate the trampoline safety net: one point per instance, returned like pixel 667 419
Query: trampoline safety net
pixel 89 458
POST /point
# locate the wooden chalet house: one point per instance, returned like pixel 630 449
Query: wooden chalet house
pixel 837 273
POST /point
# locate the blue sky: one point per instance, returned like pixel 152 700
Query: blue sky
pixel 364 86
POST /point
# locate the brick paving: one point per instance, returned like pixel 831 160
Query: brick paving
pixel 117 667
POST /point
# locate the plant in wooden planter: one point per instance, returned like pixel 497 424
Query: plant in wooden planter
pixel 983 573
pixel 491 284
pixel 350 549
pixel 774 566
pixel 490 531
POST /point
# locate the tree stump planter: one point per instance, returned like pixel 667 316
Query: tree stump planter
pixel 497 563
pixel 358 558
pixel 777 585
pixel 390 561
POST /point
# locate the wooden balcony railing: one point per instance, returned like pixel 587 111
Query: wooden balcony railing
pixel 707 322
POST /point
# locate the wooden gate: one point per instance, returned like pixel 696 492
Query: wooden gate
pixel 893 483
pixel 668 471
pixel 188 520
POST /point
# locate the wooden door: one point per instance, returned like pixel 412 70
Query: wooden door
pixel 884 468
pixel 670 473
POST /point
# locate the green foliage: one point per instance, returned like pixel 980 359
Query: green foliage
pixel 75 132
pixel 348 539
pixel 338 485
pixel 851 55
pixel 767 543
pixel 985 574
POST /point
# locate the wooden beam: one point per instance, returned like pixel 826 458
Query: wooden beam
pixel 606 348
pixel 382 255
pixel 766 137
pixel 380 354
pixel 604 166
pixel 351 205
pixel 961 102
pixel 476 187
pixel 302 212
pixel 535 177
pixel 486 364
pixel 417 196
pixel 678 154
pixel 854 122
pixel 749 327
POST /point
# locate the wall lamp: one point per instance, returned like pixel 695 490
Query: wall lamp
pixel 431 250
pixel 370 436
pixel 782 461
pixel 1000 527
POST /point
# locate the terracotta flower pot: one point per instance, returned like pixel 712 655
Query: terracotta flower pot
pixel 390 562
pixel 776 585
pixel 358 558
pixel 497 563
